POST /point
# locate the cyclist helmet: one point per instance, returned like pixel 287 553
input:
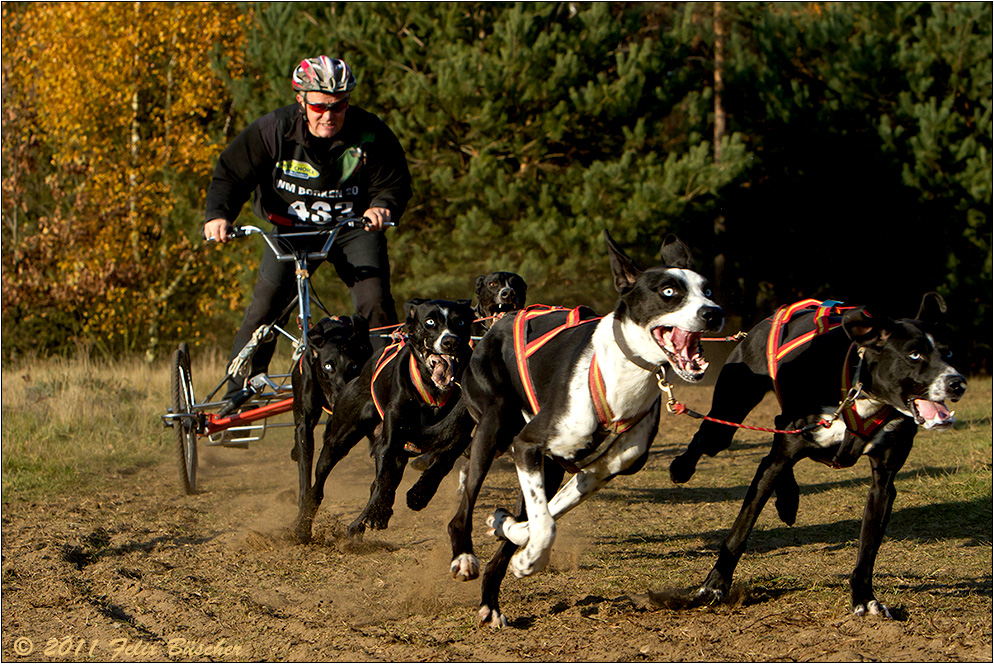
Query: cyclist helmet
pixel 323 74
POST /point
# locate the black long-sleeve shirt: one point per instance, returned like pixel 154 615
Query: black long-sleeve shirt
pixel 297 176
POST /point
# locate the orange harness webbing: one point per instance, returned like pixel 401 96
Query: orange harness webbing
pixel 598 392
pixel 854 423
pixel 777 349
pixel 523 349
pixel 388 355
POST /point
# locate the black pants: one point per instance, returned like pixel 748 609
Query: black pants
pixel 359 257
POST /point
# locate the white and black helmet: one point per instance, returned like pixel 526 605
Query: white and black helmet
pixel 323 74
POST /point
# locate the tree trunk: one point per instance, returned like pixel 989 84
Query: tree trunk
pixel 719 134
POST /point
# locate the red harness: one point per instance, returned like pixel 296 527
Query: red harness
pixel 778 348
pixel 523 349
pixel 388 355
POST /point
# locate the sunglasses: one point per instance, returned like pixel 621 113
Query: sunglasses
pixel 321 109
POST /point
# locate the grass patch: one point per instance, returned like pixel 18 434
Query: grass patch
pixel 78 423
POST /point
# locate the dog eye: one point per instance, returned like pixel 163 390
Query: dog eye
pixel 915 356
pixel 329 368
pixel 430 322
pixel 493 284
pixel 669 292
pixel 707 293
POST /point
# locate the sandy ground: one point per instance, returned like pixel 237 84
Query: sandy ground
pixel 139 572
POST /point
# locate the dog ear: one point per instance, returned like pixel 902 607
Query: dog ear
pixel 410 307
pixel 480 280
pixel 865 329
pixel 932 309
pixel 360 326
pixel 315 335
pixel 675 253
pixel 411 304
pixel 623 268
pixel 466 304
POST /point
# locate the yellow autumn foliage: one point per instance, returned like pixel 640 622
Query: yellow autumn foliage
pixel 113 116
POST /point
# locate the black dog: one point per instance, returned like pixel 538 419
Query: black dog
pixel 400 391
pixel 497 293
pixel 590 398
pixel 337 348
pixel 901 375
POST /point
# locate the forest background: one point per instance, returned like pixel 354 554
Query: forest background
pixel 831 150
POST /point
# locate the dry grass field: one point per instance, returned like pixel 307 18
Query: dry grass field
pixel 103 558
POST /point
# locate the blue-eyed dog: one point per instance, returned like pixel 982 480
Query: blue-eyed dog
pixel 585 398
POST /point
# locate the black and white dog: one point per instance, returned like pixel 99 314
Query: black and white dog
pixel 585 398
pixel 897 379
pixel 497 293
pixel 400 391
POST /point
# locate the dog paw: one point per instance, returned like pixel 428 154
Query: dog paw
pixel 496 522
pixel 421 463
pixel 525 563
pixel 418 498
pixel 378 519
pixel 706 595
pixel 505 526
pixel 302 531
pixel 683 468
pixel 356 530
pixel 873 608
pixel 787 505
pixel 465 567
pixel 490 617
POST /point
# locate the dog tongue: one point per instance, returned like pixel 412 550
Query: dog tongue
pixel 682 341
pixel 441 370
pixel 685 343
pixel 933 412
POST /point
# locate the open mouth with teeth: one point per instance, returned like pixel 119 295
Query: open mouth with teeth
pixel 501 307
pixel 683 349
pixel 442 368
pixel 931 414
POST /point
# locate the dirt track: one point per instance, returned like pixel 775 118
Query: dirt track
pixel 138 572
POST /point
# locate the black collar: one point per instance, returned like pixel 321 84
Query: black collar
pixel 627 351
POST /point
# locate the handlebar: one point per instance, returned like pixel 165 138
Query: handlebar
pixel 271 238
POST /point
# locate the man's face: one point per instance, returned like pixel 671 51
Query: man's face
pixel 325 112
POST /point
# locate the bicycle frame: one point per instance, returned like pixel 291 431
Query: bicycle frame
pixel 275 401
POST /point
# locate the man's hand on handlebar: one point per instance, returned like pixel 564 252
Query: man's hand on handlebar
pixel 377 218
pixel 374 219
pixel 219 230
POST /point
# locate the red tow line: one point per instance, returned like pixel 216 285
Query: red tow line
pixel 680 409
pixel 677 408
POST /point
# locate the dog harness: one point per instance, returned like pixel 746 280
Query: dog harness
pixel 777 348
pixel 523 349
pixel 386 357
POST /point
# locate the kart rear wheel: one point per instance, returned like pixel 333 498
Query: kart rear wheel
pixel 185 427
